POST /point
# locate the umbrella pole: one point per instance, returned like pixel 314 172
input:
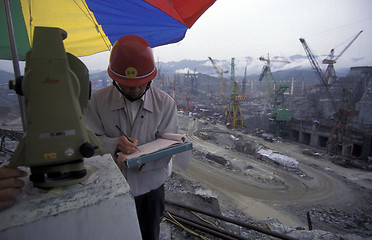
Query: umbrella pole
pixel 13 47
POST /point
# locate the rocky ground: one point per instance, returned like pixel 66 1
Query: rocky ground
pixel 333 216
pixel 259 192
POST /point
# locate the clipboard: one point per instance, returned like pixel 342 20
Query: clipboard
pixel 159 154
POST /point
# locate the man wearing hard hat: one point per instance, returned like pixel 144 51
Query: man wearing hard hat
pixel 142 112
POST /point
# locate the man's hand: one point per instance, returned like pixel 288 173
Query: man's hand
pixel 126 146
pixel 121 160
pixel 10 185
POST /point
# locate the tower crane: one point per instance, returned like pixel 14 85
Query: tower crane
pixel 234 115
pixel 340 138
pixel 275 93
pixel 266 73
pixel 220 72
pixel 331 59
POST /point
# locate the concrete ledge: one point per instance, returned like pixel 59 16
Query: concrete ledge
pixel 99 208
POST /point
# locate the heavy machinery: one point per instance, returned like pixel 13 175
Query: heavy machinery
pixel 220 72
pixel 340 140
pixel 275 95
pixel 56 88
pixel 234 115
pixel 330 73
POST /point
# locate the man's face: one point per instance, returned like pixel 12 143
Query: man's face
pixel 133 93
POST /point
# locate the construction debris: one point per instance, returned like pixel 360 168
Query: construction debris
pixel 281 159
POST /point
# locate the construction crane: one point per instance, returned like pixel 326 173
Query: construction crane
pixel 220 72
pixel 275 94
pixel 318 71
pixel 234 115
pixel 266 73
pixel 330 73
pixel 340 139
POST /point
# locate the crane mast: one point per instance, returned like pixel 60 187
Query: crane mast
pixel 234 115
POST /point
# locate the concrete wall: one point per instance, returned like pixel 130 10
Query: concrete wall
pixel 316 135
pixel 99 208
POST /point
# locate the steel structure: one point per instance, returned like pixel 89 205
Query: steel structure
pixel 340 139
pixel 275 95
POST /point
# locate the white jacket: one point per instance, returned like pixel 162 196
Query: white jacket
pixel 157 115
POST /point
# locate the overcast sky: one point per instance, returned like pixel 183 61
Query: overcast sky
pixel 254 27
pixel 242 28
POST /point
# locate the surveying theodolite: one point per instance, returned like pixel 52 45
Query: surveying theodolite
pixel 56 88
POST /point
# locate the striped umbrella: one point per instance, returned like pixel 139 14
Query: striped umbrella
pixel 94 25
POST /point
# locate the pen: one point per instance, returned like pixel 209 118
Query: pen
pixel 125 135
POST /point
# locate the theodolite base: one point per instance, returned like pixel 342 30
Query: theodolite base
pixel 58 175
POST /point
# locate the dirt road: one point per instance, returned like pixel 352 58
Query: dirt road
pixel 264 190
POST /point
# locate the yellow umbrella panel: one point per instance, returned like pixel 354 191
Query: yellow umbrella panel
pixel 85 35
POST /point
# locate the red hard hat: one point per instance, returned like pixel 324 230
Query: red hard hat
pixel 131 61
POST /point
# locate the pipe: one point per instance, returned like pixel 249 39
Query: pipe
pixel 13 48
pixel 221 233
pixel 243 224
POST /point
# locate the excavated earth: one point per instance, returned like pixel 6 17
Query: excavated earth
pixel 223 179
pixel 336 199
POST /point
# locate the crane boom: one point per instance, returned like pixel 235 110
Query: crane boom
pixel 318 71
pixel 220 72
pixel 348 45
pixel 330 73
pixel 313 62
pixel 331 59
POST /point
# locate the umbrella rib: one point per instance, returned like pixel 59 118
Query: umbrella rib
pixel 179 14
pixel 31 31
pixel 90 17
pixel 86 14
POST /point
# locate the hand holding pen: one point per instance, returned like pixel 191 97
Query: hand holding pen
pixel 125 148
